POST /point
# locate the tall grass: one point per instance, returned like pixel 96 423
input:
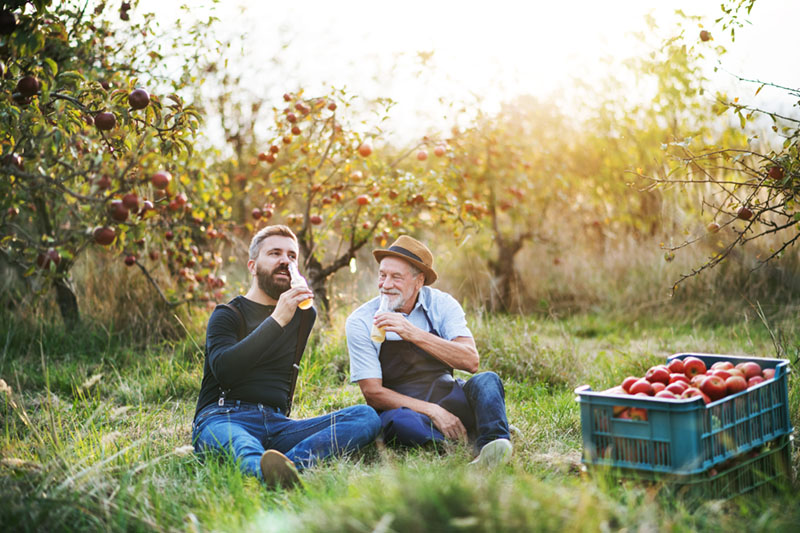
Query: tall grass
pixel 97 441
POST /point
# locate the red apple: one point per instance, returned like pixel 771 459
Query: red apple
pixel 714 387
pixel 105 121
pixel 169 235
pixel 638 413
pixel 735 384
pixel 713 227
pixel 161 179
pixel 363 199
pixel 744 213
pixel 657 386
pixel 291 117
pixel 356 175
pixel 722 365
pixel 677 388
pixel 131 201
pixel 315 219
pixel 666 394
pixel 255 213
pixel 693 366
pixel 768 373
pixel 28 86
pixel 439 150
pixel 138 99
pixel 642 385
pixel 692 392
pixel 422 155
pixel 332 106
pixel 296 130
pixel 118 211
pixel 775 173
pixel 130 260
pixel 103 183
pixel 628 382
pixel 365 149
pixel 104 235
pixel 674 378
pixel 724 374
pixel 751 369
pixel 274 149
pixel 658 374
pixel 704 35
pixel 676 367
pixel 755 380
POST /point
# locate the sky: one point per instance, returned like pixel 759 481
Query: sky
pixel 478 49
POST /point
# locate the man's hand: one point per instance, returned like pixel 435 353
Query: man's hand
pixel 396 323
pixel 287 304
pixel 448 423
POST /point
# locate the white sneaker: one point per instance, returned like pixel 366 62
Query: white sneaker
pixel 494 454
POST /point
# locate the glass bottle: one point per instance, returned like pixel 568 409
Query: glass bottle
pixel 299 281
pixel 379 334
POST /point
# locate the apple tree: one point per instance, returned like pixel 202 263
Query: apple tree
pixel 98 149
pixel 749 186
pixel 338 186
pixel 508 173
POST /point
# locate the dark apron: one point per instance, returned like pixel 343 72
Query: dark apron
pixel 410 370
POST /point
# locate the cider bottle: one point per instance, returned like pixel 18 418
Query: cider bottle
pixel 379 334
pixel 299 281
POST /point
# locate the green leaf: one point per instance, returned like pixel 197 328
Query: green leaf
pixel 50 66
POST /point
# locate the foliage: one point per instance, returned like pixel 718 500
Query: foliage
pixel 749 190
pixel 80 151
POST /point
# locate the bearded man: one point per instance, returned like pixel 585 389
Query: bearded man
pixel 406 373
pixel 253 345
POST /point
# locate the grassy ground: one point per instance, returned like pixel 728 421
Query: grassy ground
pixel 94 436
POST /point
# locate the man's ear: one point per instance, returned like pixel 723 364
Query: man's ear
pixel 251 267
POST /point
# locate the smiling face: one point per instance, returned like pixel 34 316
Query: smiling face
pixel 270 268
pixel 398 279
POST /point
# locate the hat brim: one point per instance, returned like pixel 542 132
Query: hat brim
pixel 430 274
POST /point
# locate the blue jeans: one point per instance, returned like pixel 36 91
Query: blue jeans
pixel 486 398
pixel 246 430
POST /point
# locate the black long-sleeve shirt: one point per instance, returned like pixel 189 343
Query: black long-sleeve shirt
pixel 258 368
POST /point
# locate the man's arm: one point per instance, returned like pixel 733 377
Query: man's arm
pixel 381 398
pixel 459 353
pixel 232 359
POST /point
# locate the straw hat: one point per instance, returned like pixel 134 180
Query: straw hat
pixel 414 252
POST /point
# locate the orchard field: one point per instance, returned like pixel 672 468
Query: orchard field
pixel 589 234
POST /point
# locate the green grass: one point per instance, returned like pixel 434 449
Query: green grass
pixel 92 438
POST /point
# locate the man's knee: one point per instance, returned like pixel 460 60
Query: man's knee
pixel 408 428
pixel 485 379
pixel 366 417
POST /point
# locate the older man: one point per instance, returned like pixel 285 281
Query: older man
pixel 253 343
pixel 408 378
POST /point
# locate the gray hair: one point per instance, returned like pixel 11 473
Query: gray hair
pixel 269 231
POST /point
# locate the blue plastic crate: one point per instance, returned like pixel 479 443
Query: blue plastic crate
pixel 762 472
pixel 685 436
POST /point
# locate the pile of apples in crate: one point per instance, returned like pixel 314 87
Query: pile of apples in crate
pixel 689 377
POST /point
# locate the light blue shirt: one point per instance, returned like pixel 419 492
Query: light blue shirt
pixel 444 312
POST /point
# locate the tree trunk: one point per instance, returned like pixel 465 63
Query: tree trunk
pixel 503 291
pixel 67 302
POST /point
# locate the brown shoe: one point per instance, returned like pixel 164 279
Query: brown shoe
pixel 278 470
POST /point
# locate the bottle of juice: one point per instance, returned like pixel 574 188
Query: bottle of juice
pixel 299 281
pixel 379 334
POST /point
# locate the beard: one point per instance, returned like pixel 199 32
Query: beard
pixel 267 282
pixel 395 300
